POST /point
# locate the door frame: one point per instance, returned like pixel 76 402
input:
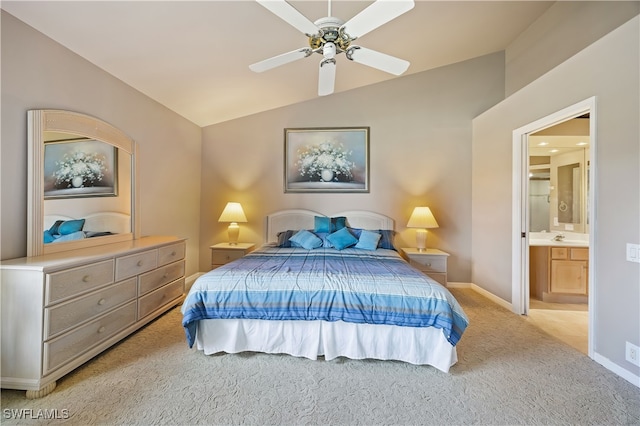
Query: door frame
pixel 520 207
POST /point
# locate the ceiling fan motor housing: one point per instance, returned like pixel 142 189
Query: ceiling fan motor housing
pixel 331 31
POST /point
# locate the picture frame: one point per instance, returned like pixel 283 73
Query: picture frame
pixel 80 168
pixel 326 159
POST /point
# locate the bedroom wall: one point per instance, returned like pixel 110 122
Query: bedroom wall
pixel 39 73
pixel 609 70
pixel 564 29
pixel 420 146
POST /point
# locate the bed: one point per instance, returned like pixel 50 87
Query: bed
pixel 362 301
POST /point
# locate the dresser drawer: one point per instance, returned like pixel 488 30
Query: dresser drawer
pixel 160 297
pixel 69 314
pixel 128 266
pixel 221 257
pixel 171 253
pixel 429 263
pixel 159 277
pixel 63 349
pixel 71 282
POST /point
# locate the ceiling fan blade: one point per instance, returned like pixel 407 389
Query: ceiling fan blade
pixel 282 59
pixel 378 60
pixel 327 77
pixel 379 13
pixel 289 14
pixel 327 72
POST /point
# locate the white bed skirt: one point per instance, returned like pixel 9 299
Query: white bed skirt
pixel 310 339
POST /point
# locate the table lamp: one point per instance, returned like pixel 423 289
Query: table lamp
pixel 233 213
pixel 422 218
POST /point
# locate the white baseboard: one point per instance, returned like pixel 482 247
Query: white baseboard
pixel 605 362
pixel 188 282
pixel 483 292
pixel 615 368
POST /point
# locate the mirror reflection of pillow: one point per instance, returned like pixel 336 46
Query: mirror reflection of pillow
pixel 78 235
pixel 70 226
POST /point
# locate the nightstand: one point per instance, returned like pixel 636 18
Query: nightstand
pixel 223 253
pixel 432 262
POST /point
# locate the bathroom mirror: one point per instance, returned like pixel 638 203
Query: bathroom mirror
pixel 559 177
pixel 81 183
pixel 569 189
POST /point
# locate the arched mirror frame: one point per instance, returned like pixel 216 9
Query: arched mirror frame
pixel 41 121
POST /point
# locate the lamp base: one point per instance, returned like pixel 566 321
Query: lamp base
pixel 233 232
pixel 421 239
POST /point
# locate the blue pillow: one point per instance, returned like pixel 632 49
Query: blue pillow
pixel 306 239
pixel 321 224
pixel 328 224
pixel 337 223
pixel 48 238
pixel 342 239
pixel 78 235
pixel 368 240
pixel 54 228
pixel 283 238
pixel 386 241
pixel 70 226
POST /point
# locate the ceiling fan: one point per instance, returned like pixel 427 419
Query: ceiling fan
pixel 330 36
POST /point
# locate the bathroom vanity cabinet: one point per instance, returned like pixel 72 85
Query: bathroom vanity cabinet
pixel 559 274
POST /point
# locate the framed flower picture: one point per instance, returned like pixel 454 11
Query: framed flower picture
pixel 80 168
pixel 326 159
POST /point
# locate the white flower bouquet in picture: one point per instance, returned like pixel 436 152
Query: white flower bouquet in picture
pixel 80 169
pixel 327 162
pixel 326 159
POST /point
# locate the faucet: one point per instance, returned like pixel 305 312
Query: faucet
pixel 559 237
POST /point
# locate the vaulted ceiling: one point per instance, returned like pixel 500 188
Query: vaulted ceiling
pixel 193 56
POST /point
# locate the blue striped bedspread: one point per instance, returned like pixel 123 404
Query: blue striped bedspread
pixel 351 285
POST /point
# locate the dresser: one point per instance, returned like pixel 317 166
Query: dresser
pixel 223 253
pixel 60 310
pixel 432 262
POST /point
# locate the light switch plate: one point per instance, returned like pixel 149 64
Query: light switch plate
pixel 633 252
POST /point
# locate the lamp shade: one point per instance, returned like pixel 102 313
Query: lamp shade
pixel 232 213
pixel 422 218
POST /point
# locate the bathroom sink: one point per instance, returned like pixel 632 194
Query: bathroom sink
pixel 552 242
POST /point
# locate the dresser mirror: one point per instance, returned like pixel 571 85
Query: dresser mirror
pixel 81 183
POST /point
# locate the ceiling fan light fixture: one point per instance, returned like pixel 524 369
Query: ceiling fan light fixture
pixel 330 36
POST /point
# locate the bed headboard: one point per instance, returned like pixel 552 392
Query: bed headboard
pixel 118 223
pixel 304 219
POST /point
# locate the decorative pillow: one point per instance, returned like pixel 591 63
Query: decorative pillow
pixel 54 228
pixel 328 224
pixel 337 223
pixel 306 239
pixel 78 235
pixel 321 224
pixel 70 226
pixel 342 239
pixel 368 240
pixel 386 240
pixel 48 238
pixel 284 236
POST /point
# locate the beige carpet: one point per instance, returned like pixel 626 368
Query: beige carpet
pixel 509 373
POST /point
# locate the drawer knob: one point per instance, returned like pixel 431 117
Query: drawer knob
pixel 428 264
pixel 173 253
pixel 101 302
pixel 101 330
pixel 86 278
pixel 166 275
pixel 139 263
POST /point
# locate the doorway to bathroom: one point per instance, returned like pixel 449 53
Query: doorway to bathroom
pixel 554 163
